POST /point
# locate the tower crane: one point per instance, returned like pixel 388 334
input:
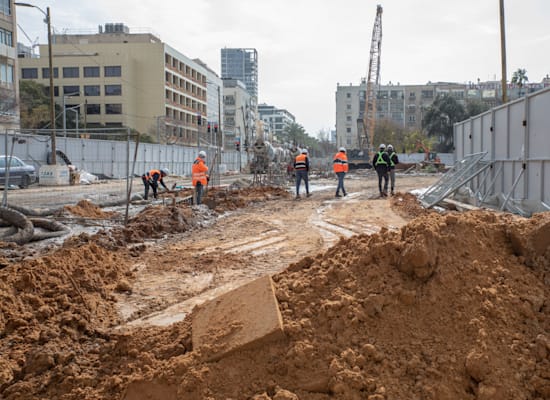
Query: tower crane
pixel 366 138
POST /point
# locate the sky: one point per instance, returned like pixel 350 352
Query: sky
pixel 306 47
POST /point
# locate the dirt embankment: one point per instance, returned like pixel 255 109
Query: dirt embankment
pixel 447 307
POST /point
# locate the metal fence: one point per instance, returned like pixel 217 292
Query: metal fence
pixel 111 158
pixel 516 138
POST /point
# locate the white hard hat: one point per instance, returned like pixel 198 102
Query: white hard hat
pixel 390 147
pixel 304 151
pixel 165 171
pixel 382 146
pixel 202 154
pixel 342 149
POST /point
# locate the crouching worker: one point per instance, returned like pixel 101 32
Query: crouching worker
pixel 199 176
pixel 152 179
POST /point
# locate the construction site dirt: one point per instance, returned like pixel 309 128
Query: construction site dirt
pixel 378 299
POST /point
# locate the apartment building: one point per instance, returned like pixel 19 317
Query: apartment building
pixel 277 119
pixel 242 64
pixel 406 105
pixel 9 96
pixel 239 123
pixel 118 78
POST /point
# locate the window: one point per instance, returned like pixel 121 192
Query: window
pixel 113 90
pixel 427 94
pixel 46 73
pixel 6 73
pixel 70 72
pixel 29 73
pixel 113 71
pixel 6 37
pixel 348 95
pixel 412 95
pixel 348 118
pixel 71 90
pixel 348 107
pixel 113 124
pixel 55 90
pixel 113 108
pixel 348 130
pixel 91 72
pixel 93 109
pixel 91 90
pixel 5 7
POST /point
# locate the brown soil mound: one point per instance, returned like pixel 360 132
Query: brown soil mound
pixel 407 205
pixel 449 307
pixel 223 200
pixel 87 209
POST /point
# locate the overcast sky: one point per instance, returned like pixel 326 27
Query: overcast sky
pixel 306 47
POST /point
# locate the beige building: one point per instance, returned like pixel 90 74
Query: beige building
pixel 115 78
pixel 239 122
pixel 9 96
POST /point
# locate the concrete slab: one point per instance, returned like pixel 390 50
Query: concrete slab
pixel 243 318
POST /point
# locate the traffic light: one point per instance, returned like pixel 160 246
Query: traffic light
pixel 208 129
pixel 238 146
pixel 215 128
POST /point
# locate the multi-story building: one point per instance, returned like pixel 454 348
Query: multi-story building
pixel 9 96
pixel 239 123
pixel 214 95
pixel 115 78
pixel 242 64
pixel 405 105
pixel 276 118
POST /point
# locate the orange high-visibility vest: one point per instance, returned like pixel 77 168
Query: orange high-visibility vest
pixel 340 162
pixel 198 172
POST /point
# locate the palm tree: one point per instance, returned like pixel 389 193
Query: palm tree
pixel 519 78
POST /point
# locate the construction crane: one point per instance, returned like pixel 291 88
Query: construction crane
pixel 366 137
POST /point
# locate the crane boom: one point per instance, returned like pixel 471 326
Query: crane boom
pixel 373 82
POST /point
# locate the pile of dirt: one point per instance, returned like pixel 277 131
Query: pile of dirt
pixel 87 209
pixel 407 205
pixel 449 307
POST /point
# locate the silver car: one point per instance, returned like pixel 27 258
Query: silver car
pixel 20 174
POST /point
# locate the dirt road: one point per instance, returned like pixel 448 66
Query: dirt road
pixel 172 276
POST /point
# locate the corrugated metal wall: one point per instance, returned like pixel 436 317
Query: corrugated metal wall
pixel 516 137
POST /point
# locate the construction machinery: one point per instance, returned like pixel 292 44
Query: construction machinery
pixel 360 158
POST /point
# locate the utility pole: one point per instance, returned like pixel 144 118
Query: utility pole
pixel 503 53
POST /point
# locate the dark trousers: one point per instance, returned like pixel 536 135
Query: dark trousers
pixel 198 192
pixel 340 186
pixel 149 183
pixel 301 174
pixel 382 174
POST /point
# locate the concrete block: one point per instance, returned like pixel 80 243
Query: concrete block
pixel 243 318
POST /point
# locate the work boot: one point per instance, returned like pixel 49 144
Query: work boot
pixel 345 194
pixel 297 196
pixel 392 193
pixel 308 195
pixel 337 195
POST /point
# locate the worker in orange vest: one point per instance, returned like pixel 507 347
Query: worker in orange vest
pixel 152 179
pixel 301 166
pixel 340 167
pixel 199 176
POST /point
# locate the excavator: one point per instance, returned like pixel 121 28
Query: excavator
pixel 430 157
pixel 360 158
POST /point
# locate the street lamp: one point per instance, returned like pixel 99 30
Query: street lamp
pixel 50 62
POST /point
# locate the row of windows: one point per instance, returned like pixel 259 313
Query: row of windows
pixel 73 72
pixel 89 90
pixel 6 37
pixel 95 109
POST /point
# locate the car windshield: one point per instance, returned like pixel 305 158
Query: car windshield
pixel 14 162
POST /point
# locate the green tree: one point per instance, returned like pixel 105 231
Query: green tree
pixel 35 107
pixel 389 132
pixel 439 119
pixel 520 78
pixel 475 107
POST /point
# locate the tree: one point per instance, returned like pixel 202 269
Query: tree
pixel 389 132
pixel 35 107
pixel 475 107
pixel 519 78
pixel 439 119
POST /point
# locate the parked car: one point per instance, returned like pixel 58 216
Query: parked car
pixel 21 174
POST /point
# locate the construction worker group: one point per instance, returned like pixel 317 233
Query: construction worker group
pixel 384 162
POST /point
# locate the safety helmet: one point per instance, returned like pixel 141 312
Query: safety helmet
pixel 164 171
pixel 342 149
pixel 304 151
pixel 202 154
pixel 382 146
pixel 390 147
